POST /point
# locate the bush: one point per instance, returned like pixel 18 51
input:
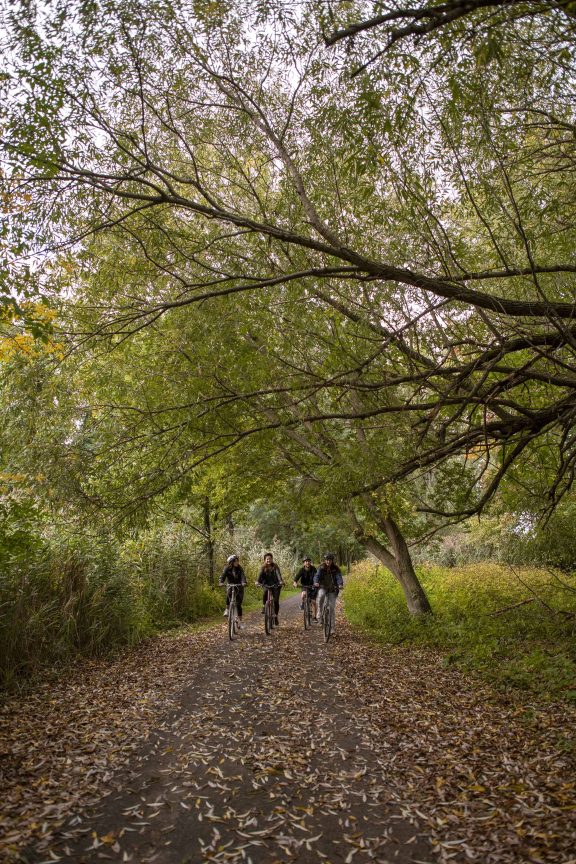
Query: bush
pixel 529 646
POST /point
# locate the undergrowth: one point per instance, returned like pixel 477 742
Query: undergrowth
pixel 528 647
pixel 91 596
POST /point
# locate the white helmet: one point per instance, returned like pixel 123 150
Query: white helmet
pixel 231 559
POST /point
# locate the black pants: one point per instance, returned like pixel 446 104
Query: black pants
pixel 239 598
pixel 276 594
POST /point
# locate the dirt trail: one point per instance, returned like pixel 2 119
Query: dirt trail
pixel 262 762
pixel 280 749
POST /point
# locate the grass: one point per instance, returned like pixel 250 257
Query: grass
pixel 529 647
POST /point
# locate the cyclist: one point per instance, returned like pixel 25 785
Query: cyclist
pixel 306 578
pixel 329 581
pixel 233 574
pixel 270 577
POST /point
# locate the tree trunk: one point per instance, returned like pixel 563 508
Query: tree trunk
pixel 398 561
pixel 418 603
pixel 209 542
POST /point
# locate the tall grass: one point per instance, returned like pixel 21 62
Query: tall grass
pixel 62 595
pixel 91 596
pixel 529 647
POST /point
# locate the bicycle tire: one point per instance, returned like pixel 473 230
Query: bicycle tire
pixel 268 620
pixel 307 614
pixel 232 620
pixel 327 620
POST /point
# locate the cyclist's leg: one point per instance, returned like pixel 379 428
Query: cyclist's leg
pixel 276 592
pixel 264 598
pixel 239 599
pixel 313 606
pixel 228 592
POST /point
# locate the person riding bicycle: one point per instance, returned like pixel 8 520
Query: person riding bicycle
pixel 233 574
pixel 305 576
pixel 329 581
pixel 270 577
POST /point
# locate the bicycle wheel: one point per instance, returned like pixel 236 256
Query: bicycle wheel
pixel 327 620
pixel 307 614
pixel 268 619
pixel 232 619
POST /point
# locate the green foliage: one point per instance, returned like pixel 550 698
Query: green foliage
pixel 529 647
pixel 302 527
pixel 249 159
pixel 514 537
pixel 92 594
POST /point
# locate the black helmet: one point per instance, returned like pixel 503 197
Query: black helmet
pixel 329 556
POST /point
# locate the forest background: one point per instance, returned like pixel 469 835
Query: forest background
pixel 296 276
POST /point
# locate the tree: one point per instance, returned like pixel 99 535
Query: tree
pixel 426 206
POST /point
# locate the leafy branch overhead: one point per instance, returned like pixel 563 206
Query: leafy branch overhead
pixel 413 223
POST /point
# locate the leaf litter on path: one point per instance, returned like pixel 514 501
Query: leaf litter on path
pixel 272 748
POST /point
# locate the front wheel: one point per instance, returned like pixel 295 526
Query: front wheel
pixel 327 621
pixel 268 619
pixel 307 614
pixel 232 620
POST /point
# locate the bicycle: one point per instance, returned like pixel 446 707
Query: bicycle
pixel 306 604
pixel 269 613
pixel 327 618
pixel 233 618
pixel 307 611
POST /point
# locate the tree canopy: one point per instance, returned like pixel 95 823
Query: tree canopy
pixel 333 244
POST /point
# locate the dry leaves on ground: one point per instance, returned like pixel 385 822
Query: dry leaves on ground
pixel 345 740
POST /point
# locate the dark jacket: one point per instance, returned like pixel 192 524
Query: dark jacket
pixel 306 577
pixel 329 578
pixel 270 576
pixel 232 575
